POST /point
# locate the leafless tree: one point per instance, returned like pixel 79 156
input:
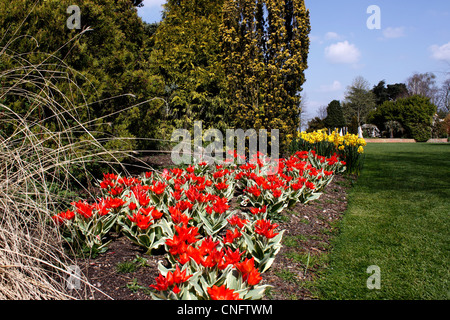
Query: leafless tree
pixel 423 84
pixel 444 96
pixel 303 123
pixel 322 112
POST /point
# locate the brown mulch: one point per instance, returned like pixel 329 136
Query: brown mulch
pixel 310 229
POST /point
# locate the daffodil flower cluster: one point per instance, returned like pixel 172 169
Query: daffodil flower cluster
pixel 348 147
pixel 338 140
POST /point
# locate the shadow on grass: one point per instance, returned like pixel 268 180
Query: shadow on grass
pixel 428 171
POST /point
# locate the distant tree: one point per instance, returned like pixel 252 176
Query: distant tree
pixel 439 128
pixel 335 116
pixel 396 90
pixel 393 126
pixel 315 124
pixel 447 124
pixel 322 112
pixel 303 123
pixel 380 92
pixel 150 28
pixel 415 115
pixel 444 98
pixel 359 101
pixel 353 125
pixel 388 93
pixel 423 84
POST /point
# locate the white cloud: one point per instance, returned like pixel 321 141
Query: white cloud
pixel 441 52
pixel 342 52
pixel 332 36
pixel 335 86
pixel 393 33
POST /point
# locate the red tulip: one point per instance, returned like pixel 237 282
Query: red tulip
pixel 177 216
pixel 235 220
pixel 222 293
pixel 221 186
pixel 63 216
pixel 83 208
pixel 232 257
pixel 156 214
pixel 180 276
pixel 265 228
pixel 230 236
pixel 220 205
pixel 253 277
pixel 158 187
pixel 161 283
pixel 142 221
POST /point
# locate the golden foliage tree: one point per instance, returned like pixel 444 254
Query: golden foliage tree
pixel 187 55
pixel 265 47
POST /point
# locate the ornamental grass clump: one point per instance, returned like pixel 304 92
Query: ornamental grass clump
pixel 33 264
pixel 40 157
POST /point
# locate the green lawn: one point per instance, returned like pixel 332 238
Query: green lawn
pixel 398 218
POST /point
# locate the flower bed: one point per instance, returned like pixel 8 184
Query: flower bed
pixel 349 147
pixel 215 252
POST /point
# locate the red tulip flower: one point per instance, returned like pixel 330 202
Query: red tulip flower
pixel 222 293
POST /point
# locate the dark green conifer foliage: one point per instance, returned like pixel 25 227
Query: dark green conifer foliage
pixel 335 116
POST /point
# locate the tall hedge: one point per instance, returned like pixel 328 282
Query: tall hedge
pixel 186 55
pixel 108 65
pixel 265 46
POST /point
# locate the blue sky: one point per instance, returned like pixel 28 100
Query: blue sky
pixel 414 36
